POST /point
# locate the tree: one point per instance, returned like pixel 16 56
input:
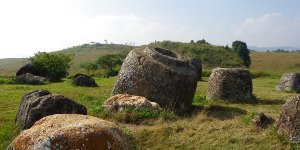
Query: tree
pixel 89 66
pixel 202 42
pixel 241 49
pixel 109 62
pixel 53 66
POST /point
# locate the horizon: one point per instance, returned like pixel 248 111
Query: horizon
pixel 31 26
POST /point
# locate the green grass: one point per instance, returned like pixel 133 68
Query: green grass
pixel 216 125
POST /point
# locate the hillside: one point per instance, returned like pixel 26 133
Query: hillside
pixel 82 53
pixel 10 65
pixel 90 52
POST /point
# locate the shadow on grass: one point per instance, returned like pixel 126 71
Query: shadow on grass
pixel 270 102
pixel 218 112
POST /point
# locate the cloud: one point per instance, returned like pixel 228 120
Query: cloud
pixel 272 29
pixel 28 33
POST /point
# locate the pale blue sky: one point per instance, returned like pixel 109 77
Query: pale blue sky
pixel 47 25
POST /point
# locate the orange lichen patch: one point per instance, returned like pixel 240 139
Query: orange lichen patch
pixel 71 131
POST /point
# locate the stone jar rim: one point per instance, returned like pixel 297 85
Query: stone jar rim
pixel 166 56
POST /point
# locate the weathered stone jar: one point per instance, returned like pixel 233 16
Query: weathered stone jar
pixel 197 63
pixel 159 75
pixel 289 82
pixel 72 131
pixel 121 102
pixel 40 103
pixel 83 80
pixel 232 84
pixel 289 120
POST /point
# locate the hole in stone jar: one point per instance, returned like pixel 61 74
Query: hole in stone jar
pixel 166 52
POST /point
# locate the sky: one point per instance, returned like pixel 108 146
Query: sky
pixel 29 26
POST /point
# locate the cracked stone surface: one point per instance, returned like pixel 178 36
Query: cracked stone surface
pixel 289 120
pixel 159 75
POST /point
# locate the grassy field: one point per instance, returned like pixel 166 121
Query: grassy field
pixel 212 125
pixel 275 63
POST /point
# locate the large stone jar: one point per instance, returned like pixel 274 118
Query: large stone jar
pixel 231 84
pixel 160 75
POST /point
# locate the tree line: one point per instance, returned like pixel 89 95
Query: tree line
pixel 211 55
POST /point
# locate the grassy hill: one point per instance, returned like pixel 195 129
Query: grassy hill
pixel 10 65
pixel 90 52
pixel 82 53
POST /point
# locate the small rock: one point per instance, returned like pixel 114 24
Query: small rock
pixel 83 80
pixel 261 121
pixel 63 131
pixel 121 102
pixel 30 79
pixel 40 103
pixel 289 120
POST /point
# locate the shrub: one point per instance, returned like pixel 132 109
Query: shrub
pixel 111 64
pixel 206 73
pixel 53 66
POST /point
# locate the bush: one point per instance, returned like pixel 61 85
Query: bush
pixel 4 81
pixel 111 64
pixel 206 73
pixel 53 66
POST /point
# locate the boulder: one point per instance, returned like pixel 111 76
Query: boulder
pixel 261 121
pixel 121 102
pixel 289 120
pixel 160 75
pixel 28 68
pixel 197 64
pixel 40 103
pixel 289 82
pixel 30 79
pixel 71 131
pixel 83 80
pixel 232 84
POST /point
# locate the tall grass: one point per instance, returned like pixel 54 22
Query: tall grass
pixel 275 63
